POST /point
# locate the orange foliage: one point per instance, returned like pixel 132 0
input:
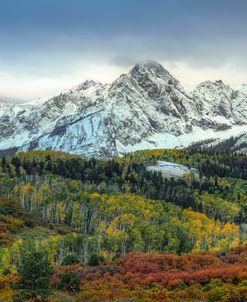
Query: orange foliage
pixel 162 277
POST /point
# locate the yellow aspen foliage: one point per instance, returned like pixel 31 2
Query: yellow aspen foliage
pixel 6 291
pixel 61 211
pixel 26 188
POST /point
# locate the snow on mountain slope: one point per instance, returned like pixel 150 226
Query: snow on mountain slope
pixel 145 108
pixel 242 88
pixel 234 139
pixel 2 104
pixel 88 132
pixel 214 100
pixel 169 168
pixel 219 102
pixel 129 113
pixel 21 124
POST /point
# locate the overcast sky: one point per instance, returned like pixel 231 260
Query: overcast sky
pixel 50 45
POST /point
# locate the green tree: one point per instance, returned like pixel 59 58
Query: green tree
pixel 95 260
pixel 69 282
pixel 70 259
pixel 34 282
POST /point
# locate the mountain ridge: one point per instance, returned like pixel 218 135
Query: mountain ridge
pixel 145 108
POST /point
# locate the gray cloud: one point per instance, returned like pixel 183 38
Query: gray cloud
pixel 44 50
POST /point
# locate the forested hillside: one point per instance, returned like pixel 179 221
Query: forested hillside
pixel 110 230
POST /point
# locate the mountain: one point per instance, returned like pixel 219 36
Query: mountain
pixel 145 108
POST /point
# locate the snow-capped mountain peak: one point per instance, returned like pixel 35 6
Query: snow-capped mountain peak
pixel 145 108
pixel 88 84
pixel 152 67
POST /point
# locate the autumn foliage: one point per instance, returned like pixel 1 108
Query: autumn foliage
pixel 114 231
pixel 164 277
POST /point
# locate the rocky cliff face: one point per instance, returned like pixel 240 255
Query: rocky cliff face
pixel 146 108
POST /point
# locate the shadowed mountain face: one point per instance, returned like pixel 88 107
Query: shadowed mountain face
pixel 146 108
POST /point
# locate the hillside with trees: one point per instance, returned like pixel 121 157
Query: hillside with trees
pixel 110 230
